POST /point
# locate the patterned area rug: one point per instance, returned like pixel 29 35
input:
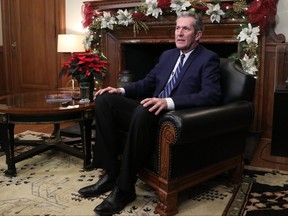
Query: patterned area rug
pixel 47 184
pixel 265 195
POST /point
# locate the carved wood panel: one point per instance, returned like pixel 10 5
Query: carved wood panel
pixel 3 79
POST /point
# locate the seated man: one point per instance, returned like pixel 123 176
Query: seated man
pixel 186 76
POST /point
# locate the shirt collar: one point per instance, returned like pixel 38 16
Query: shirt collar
pixel 186 55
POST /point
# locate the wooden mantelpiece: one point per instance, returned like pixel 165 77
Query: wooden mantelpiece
pixel 113 46
pixel 164 29
pixel 113 4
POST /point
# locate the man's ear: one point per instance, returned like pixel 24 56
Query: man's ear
pixel 198 35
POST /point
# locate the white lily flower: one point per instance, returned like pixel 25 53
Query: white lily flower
pixel 107 21
pixel 88 40
pixel 152 8
pixel 248 64
pixel 124 17
pixel 179 5
pixel 250 35
pixel 215 12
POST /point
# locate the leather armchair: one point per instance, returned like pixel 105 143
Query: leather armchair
pixel 197 144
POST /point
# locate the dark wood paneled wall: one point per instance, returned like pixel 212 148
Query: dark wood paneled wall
pixel 2 80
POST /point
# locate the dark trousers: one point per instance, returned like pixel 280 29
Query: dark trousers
pixel 116 117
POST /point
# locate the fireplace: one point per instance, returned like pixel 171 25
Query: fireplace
pixel 140 58
pixel 139 53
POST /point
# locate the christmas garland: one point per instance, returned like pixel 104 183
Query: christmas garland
pixel 256 13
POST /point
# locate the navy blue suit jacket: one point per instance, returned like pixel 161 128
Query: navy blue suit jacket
pixel 197 85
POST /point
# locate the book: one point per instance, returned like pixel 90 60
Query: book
pixel 61 97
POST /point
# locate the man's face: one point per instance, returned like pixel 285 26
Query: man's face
pixel 185 36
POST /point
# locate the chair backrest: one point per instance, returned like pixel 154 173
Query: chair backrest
pixel 237 85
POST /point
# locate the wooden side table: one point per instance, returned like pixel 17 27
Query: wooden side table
pixel 32 108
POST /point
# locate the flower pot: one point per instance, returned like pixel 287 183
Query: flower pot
pixel 86 89
pixel 125 78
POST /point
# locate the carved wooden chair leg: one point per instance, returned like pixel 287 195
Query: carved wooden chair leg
pixel 235 175
pixel 167 203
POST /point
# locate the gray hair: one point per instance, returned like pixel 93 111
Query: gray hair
pixel 198 24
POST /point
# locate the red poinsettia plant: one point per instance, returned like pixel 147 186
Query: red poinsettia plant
pixel 84 66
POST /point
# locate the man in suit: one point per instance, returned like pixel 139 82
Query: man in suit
pixel 197 83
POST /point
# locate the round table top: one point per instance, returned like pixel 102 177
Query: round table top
pixel 42 102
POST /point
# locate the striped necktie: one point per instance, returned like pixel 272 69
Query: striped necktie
pixel 170 85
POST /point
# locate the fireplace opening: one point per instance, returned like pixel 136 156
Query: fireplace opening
pixel 140 58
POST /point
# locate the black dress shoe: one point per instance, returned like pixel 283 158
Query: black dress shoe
pixel 103 185
pixel 115 202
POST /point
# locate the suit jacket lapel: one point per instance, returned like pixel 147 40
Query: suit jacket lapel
pixel 187 64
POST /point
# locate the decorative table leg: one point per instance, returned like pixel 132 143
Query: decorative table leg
pixel 56 131
pixel 86 134
pixel 7 137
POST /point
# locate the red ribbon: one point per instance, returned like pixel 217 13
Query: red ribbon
pixel 164 3
pixel 261 12
pixel 88 14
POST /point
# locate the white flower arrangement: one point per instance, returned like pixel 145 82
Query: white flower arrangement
pixel 152 8
pixel 124 17
pixel 249 36
pixel 248 64
pixel 107 21
pixel 179 5
pixel 215 12
pixel 88 40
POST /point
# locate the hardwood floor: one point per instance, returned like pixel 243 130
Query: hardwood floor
pixel 261 156
pixel 44 128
